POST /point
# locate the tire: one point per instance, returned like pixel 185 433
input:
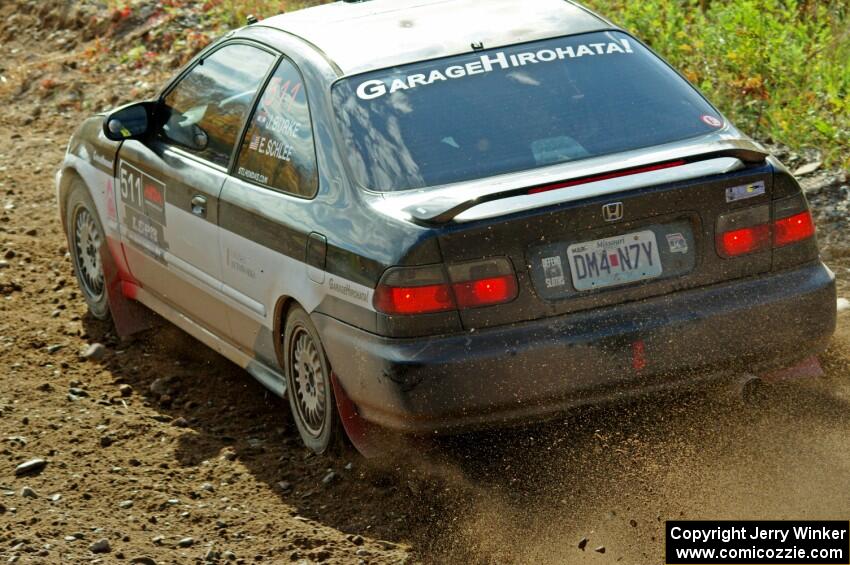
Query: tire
pixel 308 385
pixel 85 239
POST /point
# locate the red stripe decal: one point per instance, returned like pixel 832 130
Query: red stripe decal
pixel 129 290
pixel 618 174
pixel 639 355
pixel 116 249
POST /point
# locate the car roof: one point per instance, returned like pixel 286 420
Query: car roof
pixel 362 36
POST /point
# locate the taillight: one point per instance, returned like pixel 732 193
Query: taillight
pixel 793 229
pixel 485 292
pixel 750 230
pixel 433 288
pixel 743 231
pixel 744 241
pixel 414 290
pixel 483 283
pixel 414 299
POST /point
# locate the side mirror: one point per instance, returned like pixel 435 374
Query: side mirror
pixel 128 122
pixel 200 138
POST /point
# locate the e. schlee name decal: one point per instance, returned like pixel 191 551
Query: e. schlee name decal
pixel 487 63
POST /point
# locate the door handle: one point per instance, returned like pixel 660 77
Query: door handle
pixel 199 206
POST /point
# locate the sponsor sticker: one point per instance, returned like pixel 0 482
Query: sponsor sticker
pixel 239 263
pixel 145 227
pixel 554 272
pixel 253 175
pixel 677 243
pixel 712 121
pixel 744 191
pixel 347 289
pixel 102 162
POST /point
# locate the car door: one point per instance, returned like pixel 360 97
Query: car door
pixel 170 184
pixel 265 213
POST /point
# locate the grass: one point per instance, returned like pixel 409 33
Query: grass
pixel 234 13
pixel 779 69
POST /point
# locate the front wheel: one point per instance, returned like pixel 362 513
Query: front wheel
pixel 85 238
pixel 308 383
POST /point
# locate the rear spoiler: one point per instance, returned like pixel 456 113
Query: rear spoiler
pixel 474 200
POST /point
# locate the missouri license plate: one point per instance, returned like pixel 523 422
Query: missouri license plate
pixel 614 261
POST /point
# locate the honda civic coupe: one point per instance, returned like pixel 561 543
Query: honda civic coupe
pixel 430 216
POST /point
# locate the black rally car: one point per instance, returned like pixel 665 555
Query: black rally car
pixel 431 215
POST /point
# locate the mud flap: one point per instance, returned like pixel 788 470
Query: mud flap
pixel 806 369
pixel 128 316
pixel 370 440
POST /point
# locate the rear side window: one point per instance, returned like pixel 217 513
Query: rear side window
pixel 207 108
pixel 278 150
pixel 512 109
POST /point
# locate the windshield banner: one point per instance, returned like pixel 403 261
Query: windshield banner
pixel 374 88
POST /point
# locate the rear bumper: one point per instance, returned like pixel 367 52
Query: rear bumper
pixel 538 369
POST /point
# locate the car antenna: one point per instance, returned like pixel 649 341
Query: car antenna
pixel 252 19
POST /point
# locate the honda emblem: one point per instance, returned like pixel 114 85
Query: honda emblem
pixel 613 212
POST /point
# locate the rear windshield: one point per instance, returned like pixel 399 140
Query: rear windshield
pixel 513 109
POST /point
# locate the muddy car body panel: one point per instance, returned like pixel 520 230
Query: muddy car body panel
pixel 450 298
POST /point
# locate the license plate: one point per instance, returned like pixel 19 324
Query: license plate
pixel 614 261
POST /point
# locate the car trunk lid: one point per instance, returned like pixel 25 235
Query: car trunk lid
pixel 614 246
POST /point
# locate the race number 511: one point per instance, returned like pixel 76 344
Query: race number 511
pixel 131 188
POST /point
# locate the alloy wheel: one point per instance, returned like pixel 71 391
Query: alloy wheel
pixel 87 242
pixel 310 382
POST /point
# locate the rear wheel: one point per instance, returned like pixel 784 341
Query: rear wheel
pixel 308 382
pixel 85 238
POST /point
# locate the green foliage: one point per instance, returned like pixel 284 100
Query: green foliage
pixel 234 13
pixel 780 69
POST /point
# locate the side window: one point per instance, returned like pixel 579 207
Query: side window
pixel 207 108
pixel 278 149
